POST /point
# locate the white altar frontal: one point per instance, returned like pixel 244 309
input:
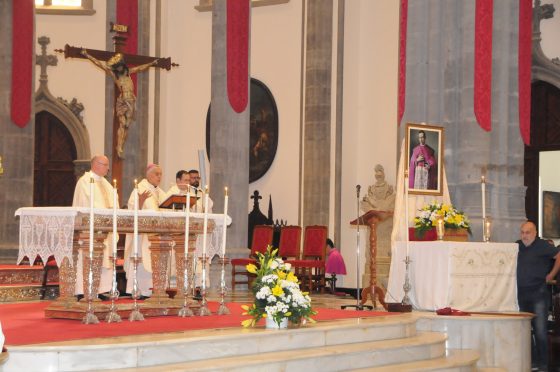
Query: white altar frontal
pixel 476 277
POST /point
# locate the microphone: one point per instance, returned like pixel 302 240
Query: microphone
pixel 358 187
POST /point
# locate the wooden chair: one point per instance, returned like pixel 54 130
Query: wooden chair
pixel 262 238
pixel 311 267
pixel 289 245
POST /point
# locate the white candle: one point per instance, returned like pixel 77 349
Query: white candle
pixel 91 197
pixel 115 207
pixel 204 233
pixel 225 223
pixel 187 223
pixel 406 210
pixel 135 245
pixel 483 191
pixel 540 208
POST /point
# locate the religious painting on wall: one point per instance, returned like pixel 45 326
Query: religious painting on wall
pixel 551 214
pixel 424 154
pixel 263 132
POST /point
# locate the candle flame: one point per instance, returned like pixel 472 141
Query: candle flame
pixel 114 183
pixel 483 179
pixel 225 189
pixel 135 183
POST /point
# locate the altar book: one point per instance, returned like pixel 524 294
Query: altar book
pixel 177 202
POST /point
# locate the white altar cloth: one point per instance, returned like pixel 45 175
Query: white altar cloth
pixel 49 231
pixel 464 276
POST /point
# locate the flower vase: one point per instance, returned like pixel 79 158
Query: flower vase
pixel 271 324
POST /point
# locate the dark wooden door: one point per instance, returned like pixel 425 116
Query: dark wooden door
pixel 545 136
pixel 55 151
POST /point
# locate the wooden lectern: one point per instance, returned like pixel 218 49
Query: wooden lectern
pixel 371 219
pixel 178 202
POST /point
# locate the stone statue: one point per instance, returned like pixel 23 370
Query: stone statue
pixel 117 69
pixel 380 195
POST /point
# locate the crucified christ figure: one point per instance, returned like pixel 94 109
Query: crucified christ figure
pixel 126 100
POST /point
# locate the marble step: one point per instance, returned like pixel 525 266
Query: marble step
pixel 454 361
pixel 192 346
pixel 342 357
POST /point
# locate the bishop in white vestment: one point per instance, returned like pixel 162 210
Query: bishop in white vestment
pixel 150 196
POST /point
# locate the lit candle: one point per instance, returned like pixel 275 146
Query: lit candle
pixel 406 210
pixel 225 223
pixel 204 233
pixel 483 191
pixel 115 206
pixel 135 245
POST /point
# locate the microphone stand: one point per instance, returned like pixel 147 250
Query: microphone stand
pixel 359 305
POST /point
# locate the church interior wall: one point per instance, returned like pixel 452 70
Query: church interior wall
pixel 370 112
pixel 369 128
pixel 77 78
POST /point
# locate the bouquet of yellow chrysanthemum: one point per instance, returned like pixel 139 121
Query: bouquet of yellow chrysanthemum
pixel 277 292
pixel 428 216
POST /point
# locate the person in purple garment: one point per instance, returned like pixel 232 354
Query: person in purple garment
pixel 423 166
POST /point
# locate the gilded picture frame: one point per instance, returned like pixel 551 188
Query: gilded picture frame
pixel 424 158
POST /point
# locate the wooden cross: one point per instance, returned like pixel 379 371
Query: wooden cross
pixel 119 41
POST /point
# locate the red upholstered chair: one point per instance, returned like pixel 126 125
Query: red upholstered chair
pixel 311 267
pixel 289 246
pixel 262 238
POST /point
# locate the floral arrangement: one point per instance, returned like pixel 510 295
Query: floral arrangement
pixel 277 292
pixel 428 216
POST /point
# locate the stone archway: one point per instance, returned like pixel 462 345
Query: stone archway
pixel 44 101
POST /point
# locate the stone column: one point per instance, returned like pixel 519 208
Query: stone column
pixel 229 144
pixel 317 122
pixel 16 149
pixel 439 90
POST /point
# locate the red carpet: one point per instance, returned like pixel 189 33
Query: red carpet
pixel 25 323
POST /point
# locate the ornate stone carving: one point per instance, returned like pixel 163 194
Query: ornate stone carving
pixel 74 106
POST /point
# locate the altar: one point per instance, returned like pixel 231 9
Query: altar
pixel 63 231
pixel 478 277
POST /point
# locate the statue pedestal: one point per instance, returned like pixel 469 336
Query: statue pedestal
pixel 372 219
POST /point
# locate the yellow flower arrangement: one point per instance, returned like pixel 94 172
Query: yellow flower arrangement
pixel 429 214
pixel 277 292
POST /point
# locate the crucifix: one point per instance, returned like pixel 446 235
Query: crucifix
pixel 116 65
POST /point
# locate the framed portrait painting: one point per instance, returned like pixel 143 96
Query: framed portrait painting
pixel 551 214
pixel 424 154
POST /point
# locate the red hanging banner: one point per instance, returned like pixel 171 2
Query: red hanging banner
pixel 238 54
pixel 524 68
pixel 127 14
pixel 402 59
pixel 22 61
pixel 483 63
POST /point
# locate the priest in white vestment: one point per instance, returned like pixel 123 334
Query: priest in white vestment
pixel 182 179
pixel 103 198
pixel 150 196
